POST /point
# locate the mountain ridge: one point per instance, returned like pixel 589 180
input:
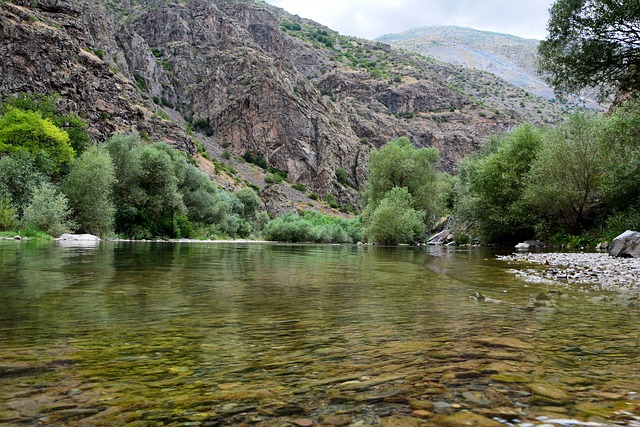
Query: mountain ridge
pixel 231 77
pixel 510 57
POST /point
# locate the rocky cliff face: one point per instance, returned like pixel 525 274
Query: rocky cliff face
pixel 251 76
pixel 53 48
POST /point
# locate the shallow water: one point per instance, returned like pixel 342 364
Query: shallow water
pixel 223 334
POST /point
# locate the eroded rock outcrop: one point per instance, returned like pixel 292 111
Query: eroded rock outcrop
pixel 229 68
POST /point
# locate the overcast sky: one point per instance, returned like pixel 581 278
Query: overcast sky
pixel 372 18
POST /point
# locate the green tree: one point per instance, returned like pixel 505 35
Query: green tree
pixel 89 189
pixel 400 165
pixel 564 183
pixel 621 147
pixel 492 184
pixel 128 193
pixel 592 43
pixel 8 214
pixel 46 106
pixel 48 211
pixel 159 182
pixel 45 143
pixel 18 179
pixel 250 202
pixel 394 220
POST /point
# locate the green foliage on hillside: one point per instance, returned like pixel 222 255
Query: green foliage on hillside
pixel 28 133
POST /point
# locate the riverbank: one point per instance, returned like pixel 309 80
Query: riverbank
pixel 594 269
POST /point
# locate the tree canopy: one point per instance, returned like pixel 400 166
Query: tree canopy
pixel 593 43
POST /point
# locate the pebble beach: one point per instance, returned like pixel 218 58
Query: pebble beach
pixel 596 269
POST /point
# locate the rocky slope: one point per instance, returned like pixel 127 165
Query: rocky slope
pixel 250 78
pixel 509 57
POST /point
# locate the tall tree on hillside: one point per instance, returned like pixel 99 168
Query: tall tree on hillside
pixel 593 43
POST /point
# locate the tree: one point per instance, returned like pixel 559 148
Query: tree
pixel 400 165
pixel 564 182
pixel 492 184
pixel 160 184
pixel 18 179
pixel 621 145
pixel 250 202
pixel 592 43
pixel 46 106
pixel 29 133
pixel 89 188
pixel 394 220
pixel 128 192
pixel 48 211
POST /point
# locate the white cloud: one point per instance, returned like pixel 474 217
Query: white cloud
pixel 372 18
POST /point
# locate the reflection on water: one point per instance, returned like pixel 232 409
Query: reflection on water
pixel 219 334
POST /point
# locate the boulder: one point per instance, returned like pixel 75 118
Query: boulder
pixel 626 245
pixel 79 238
pixel 529 244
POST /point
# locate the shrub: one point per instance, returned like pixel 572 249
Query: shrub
pixel 48 211
pixel 300 187
pixel 394 220
pixel 8 214
pixel 342 177
pixel 28 132
pixel 313 227
pixel 274 178
pixel 89 189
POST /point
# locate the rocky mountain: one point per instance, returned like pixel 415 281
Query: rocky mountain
pixel 228 78
pixel 509 57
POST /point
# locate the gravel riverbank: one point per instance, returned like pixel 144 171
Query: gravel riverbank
pixel 596 269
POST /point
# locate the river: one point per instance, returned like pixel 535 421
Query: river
pixel 207 334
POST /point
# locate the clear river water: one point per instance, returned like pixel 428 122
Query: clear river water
pixel 208 334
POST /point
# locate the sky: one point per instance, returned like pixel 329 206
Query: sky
pixel 372 18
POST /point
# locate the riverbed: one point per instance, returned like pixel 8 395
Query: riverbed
pixel 205 334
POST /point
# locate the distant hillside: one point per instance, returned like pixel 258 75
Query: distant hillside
pixel 240 79
pixel 506 56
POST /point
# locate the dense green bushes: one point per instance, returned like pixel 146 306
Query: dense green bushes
pixel 126 186
pixel 581 176
pixel 312 226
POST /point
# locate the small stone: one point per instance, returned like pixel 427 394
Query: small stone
pixel 337 420
pixel 303 422
pixel 551 392
pixel 464 419
pixel 421 413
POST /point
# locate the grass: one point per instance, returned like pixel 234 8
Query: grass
pixel 31 234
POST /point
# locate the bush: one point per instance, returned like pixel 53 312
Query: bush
pixel 342 177
pixel 274 178
pixel 18 179
pixel 394 220
pixel 48 211
pixel 312 227
pixel 300 187
pixel 331 201
pixel 24 131
pixel 8 214
pixel 89 188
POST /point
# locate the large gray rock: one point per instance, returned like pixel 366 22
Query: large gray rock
pixel 626 245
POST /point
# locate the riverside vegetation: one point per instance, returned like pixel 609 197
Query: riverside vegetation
pixel 574 183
